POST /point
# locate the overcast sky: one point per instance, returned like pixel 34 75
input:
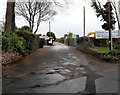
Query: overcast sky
pixel 69 20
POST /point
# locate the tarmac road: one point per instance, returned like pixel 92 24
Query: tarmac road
pixel 60 69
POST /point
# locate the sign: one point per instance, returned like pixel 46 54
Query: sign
pixel 105 34
pixel 75 41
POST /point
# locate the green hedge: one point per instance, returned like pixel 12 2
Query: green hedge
pixel 61 40
pixel 32 41
pixel 41 42
pixel 114 56
pixel 22 42
pixel 13 42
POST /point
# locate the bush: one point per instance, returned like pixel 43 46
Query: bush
pixel 82 40
pixel 85 41
pixel 22 42
pixel 11 42
pixel 31 40
pixel 110 57
pixel 41 42
pixel 117 47
pixel 24 28
pixel 61 40
pixel 114 55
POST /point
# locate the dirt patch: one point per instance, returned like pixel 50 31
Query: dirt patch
pixel 91 51
pixel 95 53
pixel 9 57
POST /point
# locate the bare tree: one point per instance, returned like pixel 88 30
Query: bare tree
pixel 35 12
pixel 10 17
pixel 62 5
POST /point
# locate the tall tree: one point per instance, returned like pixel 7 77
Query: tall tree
pixel 51 34
pixel 70 35
pixel 102 11
pixel 116 12
pixel 35 12
pixel 10 17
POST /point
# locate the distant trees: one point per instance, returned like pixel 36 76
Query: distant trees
pixel 24 28
pixel 10 17
pixel 70 35
pixel 51 34
pixel 65 36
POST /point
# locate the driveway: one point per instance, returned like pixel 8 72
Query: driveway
pixel 60 69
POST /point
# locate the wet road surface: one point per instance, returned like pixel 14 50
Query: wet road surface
pixel 60 69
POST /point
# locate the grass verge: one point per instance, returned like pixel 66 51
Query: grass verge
pixel 102 49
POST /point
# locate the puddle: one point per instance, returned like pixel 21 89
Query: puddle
pixel 80 68
pixel 59 47
pixel 44 63
pixel 70 86
pixel 70 54
pixel 69 63
pixel 83 72
pixel 34 81
pixel 60 61
pixel 75 58
pixel 74 74
pixel 65 59
pixel 51 72
pixel 57 68
pixel 65 71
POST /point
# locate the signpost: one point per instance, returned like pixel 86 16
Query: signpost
pixel 105 34
pixel 109 24
pixel 84 20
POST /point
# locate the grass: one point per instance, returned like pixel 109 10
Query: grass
pixel 103 49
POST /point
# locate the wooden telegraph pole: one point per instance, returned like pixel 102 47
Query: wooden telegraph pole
pixel 109 24
pixel 84 20
pixel 50 27
pixel 119 11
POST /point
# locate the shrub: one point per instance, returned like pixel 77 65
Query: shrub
pixel 82 40
pixel 85 41
pixel 117 47
pixel 114 55
pixel 24 28
pixel 29 40
pixel 11 42
pixel 61 40
pixel 110 57
pixel 41 42
pixel 22 42
pixel 32 41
